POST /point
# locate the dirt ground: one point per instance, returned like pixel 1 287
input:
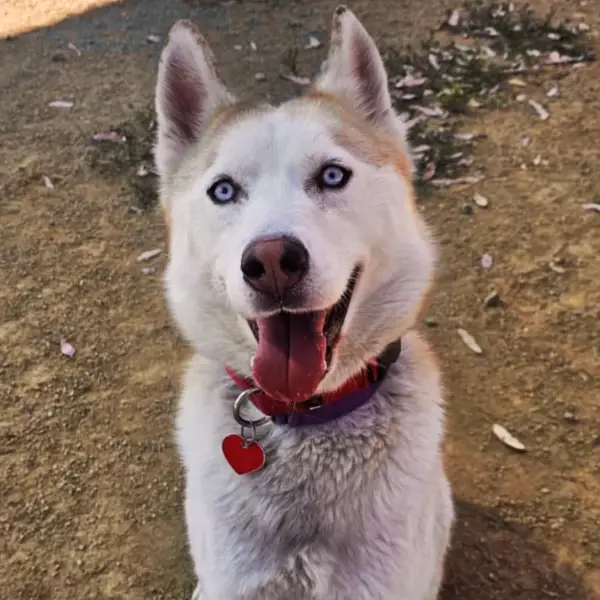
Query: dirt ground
pixel 91 490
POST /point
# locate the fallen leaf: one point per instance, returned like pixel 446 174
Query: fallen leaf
pixel 491 32
pixel 111 135
pixel 74 48
pixel 61 104
pixel 517 82
pixel 556 268
pixel 429 172
pixel 66 348
pixel 470 179
pixel 428 111
pixel 48 182
pixel 295 78
pixel 433 61
pixel 454 18
pixel 149 254
pixel 465 137
pixel 480 200
pixel 421 149
pixel 592 206
pixel 539 109
pixel 469 341
pixel 486 261
pixel 556 58
pixel 410 81
pixel 313 42
pixel 525 140
pixel 506 438
pixel 553 92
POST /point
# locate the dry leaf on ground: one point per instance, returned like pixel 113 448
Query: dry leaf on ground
pixel 149 254
pixel 469 341
pixel 66 348
pixel 507 438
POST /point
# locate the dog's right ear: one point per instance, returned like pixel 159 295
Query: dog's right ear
pixel 188 93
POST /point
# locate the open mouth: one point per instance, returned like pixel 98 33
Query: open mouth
pixel 295 350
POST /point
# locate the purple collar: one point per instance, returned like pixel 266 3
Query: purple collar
pixel 329 412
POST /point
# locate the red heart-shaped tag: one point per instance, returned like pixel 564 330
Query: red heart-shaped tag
pixel 244 456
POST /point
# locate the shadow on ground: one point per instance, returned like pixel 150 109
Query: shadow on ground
pixel 491 559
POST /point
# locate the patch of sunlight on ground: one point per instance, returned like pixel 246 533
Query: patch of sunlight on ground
pixel 20 16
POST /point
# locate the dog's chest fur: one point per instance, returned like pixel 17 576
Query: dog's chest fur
pixel 344 510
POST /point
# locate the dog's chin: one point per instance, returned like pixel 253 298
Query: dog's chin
pixel 295 348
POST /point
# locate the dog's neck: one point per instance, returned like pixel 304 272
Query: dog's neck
pixel 352 394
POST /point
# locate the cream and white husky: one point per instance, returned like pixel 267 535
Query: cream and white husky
pixel 298 268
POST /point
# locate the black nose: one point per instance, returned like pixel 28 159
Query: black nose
pixel 274 265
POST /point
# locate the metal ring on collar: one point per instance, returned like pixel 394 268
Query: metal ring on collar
pixel 237 406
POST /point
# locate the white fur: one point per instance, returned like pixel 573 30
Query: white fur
pixel 359 508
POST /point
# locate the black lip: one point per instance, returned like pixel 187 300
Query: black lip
pixel 335 318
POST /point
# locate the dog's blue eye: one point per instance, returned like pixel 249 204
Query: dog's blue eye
pixel 333 177
pixel 223 191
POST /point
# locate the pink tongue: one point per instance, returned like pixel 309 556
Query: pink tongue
pixel 290 359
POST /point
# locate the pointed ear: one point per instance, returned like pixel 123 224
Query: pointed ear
pixel 188 93
pixel 354 70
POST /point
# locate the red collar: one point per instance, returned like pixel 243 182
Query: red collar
pixel 374 373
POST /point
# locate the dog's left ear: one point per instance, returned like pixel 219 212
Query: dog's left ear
pixel 354 70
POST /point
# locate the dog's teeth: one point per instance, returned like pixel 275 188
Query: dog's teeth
pixel 252 361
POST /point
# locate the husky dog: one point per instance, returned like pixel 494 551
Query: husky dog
pixel 311 420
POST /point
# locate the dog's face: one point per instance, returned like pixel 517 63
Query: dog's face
pixel 296 250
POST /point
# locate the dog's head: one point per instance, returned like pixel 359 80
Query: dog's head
pixel 296 250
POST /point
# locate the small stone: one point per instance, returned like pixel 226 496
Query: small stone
pixel 492 300
pixel 570 417
pixel 466 209
pixel 260 77
pixel 430 322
